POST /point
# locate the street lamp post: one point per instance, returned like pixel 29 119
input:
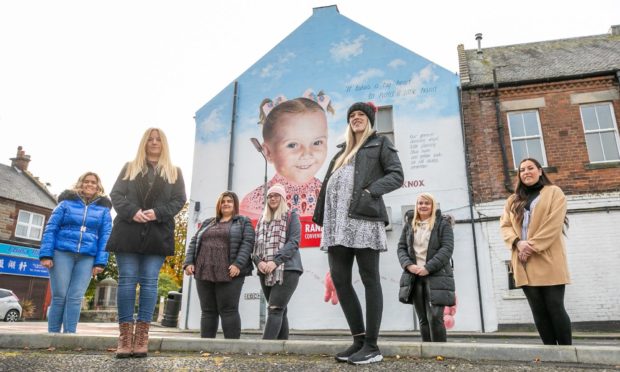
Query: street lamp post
pixel 263 303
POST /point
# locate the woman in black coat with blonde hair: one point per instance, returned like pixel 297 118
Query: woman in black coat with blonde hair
pixel 425 252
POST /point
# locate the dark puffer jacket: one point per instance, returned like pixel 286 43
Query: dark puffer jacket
pixel 78 227
pixel 378 170
pixel 438 256
pixel 241 239
pixel 153 237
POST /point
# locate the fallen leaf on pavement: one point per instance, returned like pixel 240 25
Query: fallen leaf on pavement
pixel 111 349
pixel 205 355
pixel 439 358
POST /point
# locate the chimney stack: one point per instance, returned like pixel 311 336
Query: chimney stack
pixel 21 160
pixel 614 30
pixel 479 39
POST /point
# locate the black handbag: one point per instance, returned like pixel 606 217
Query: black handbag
pixel 406 288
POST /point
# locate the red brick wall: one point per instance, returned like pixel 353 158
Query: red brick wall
pixel 563 136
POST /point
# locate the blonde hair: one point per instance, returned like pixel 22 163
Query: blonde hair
pixel 416 217
pixel 278 214
pixel 351 146
pixel 164 166
pixel 78 185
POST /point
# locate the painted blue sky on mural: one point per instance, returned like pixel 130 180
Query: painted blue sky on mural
pixel 333 53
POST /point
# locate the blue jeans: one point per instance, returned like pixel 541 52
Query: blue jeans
pixel 134 269
pixel 69 279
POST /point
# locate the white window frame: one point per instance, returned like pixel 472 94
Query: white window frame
pixel 30 225
pixel 614 129
pixel 539 136
pixel 388 110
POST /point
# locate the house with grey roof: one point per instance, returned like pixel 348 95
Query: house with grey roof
pixel 25 206
pixel 557 101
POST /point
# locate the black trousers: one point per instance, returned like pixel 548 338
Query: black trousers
pixel 429 315
pixel 220 300
pixel 550 316
pixel 278 297
pixel 341 266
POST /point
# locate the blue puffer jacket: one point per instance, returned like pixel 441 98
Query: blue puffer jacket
pixel 78 227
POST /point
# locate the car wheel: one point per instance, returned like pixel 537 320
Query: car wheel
pixel 11 316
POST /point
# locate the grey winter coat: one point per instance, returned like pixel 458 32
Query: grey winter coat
pixel 241 239
pixel 378 170
pixel 438 257
pixel 289 254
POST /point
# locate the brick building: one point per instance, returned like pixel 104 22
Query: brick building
pixel 25 206
pixel 559 102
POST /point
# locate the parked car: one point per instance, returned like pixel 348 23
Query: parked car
pixel 10 309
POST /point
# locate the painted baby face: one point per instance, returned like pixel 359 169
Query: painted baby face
pixel 299 145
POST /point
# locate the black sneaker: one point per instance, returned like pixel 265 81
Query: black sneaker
pixel 365 357
pixel 343 356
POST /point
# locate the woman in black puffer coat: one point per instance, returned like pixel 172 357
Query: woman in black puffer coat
pixel 425 252
pixel 218 257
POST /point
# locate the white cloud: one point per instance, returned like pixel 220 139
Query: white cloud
pixel 365 75
pixel 276 70
pixel 344 50
pixel 396 63
pixel 212 124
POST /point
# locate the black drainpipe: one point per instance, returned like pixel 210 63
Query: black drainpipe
pixel 500 133
pixel 231 164
pixel 231 151
pixel 618 78
pixel 470 194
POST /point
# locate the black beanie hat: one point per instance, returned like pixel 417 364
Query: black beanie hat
pixel 367 108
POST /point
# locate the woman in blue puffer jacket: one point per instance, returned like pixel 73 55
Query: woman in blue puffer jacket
pixel 73 248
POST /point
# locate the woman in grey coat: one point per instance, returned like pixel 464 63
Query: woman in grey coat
pixel 276 255
pixel 425 252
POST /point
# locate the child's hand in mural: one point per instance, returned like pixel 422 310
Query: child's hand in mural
pixel 330 290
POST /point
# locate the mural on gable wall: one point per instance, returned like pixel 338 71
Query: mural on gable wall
pixel 327 64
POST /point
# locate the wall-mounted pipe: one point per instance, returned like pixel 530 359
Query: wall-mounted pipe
pixel 500 133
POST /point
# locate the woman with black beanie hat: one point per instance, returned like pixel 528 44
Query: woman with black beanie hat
pixel 532 227
pixel 351 210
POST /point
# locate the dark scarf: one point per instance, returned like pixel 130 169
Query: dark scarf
pixel 532 192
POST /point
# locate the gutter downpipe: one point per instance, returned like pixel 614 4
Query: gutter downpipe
pixel 231 164
pixel 233 121
pixel 500 133
pixel 470 194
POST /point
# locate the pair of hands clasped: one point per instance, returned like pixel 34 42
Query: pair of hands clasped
pixel 267 267
pixel 233 270
pixel 525 250
pixel 417 270
pixel 145 216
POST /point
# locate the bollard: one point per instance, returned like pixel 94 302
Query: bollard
pixel 171 309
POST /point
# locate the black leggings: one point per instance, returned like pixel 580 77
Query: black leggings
pixel 429 315
pixel 220 299
pixel 341 267
pixel 278 297
pixel 550 317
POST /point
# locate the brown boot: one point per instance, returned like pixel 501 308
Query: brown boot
pixel 125 339
pixel 141 340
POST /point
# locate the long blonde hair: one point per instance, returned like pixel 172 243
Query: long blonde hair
pixel 415 222
pixel 78 185
pixel 278 214
pixel 164 165
pixel 351 146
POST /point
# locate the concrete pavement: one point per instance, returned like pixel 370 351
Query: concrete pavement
pixel 588 348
